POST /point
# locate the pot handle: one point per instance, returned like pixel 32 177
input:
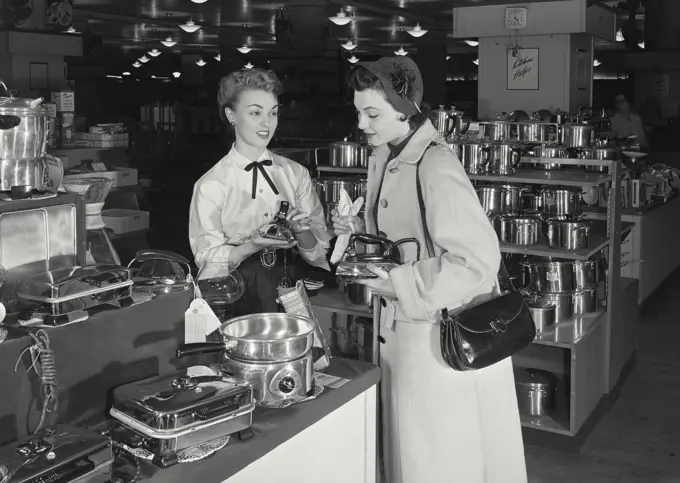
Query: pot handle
pixel 8 122
pixel 199 348
pixel 367 240
pixel 409 240
pixel 53 173
pixel 486 158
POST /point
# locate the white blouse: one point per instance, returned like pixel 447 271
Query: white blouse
pixel 223 213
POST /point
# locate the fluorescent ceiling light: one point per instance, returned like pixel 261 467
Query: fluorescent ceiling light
pixel 353 59
pixel 244 49
pixel 249 66
pixel 176 74
pixel 417 31
pixel 340 19
pixel 190 27
pixel 472 43
pixel 349 45
pixel 137 65
pixel 476 61
pixel 401 51
pixel 168 42
pixel 597 63
pixel 155 53
pixel 218 58
pixel 126 73
pixel 200 62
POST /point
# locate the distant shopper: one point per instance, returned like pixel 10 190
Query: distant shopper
pixel 626 122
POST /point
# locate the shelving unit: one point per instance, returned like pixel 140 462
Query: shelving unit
pixel 536 176
pixel 336 169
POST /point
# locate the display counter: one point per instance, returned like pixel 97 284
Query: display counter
pixel 298 444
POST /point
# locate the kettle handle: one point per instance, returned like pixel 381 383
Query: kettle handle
pixel 409 240
pixel 367 240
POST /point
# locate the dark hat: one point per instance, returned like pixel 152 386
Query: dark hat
pixel 401 80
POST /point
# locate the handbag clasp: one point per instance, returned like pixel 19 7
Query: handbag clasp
pixel 498 325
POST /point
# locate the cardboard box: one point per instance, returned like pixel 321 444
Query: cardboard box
pixel 125 221
pixel 65 101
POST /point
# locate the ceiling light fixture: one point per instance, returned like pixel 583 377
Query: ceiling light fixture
pixel 476 61
pixel 114 76
pixel 472 43
pixel 244 49
pixel 448 57
pixel 190 26
pixel 136 65
pixel 341 18
pixel 401 51
pixel 417 31
pixel 168 42
pixel 154 53
pixel 71 30
pixel 641 44
pixel 249 66
pixel 176 74
pixel 597 63
pixel 619 35
pixel 218 58
pixel 144 59
pixel 126 73
pixel 349 45
pixel 353 59
pixel 200 62
pixel 199 1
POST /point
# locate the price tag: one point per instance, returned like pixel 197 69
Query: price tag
pixel 199 321
pixel 327 380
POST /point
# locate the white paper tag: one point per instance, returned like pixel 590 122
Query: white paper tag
pixel 199 321
pixel 327 380
pixel 198 371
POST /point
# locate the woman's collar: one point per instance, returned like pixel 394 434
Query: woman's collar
pixel 417 143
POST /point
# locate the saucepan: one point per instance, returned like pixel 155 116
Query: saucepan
pixel 265 337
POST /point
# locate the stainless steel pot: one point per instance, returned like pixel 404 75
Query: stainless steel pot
pixel 585 301
pixel 550 275
pixel 491 198
pixel 329 189
pixel 44 173
pixel 577 135
pixel 359 294
pixel 564 305
pixel 505 158
pixel 512 197
pixel 23 128
pixel 457 148
pixel 475 157
pixel 532 202
pixel 602 154
pixel 569 235
pixel 535 392
pixel 586 274
pixel 550 152
pixel 536 132
pixel 519 230
pixel 266 337
pixel 362 188
pixel 544 315
pixel 561 201
pixel 346 154
pixel 498 131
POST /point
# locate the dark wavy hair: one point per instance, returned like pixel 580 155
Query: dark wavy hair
pixel 233 84
pixel 360 79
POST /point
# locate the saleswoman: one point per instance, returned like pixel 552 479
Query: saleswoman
pixel 243 192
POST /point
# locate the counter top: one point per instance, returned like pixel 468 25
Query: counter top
pixel 271 428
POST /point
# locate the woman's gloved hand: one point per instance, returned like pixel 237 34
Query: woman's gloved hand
pixel 347 224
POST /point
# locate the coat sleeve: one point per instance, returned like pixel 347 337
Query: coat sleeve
pixel 206 236
pixel 308 202
pixel 467 253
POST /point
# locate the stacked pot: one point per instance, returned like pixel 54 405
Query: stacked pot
pixel 329 190
pixel 25 167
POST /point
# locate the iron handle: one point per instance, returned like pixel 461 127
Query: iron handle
pixel 199 348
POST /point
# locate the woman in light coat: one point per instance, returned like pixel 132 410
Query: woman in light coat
pixel 439 425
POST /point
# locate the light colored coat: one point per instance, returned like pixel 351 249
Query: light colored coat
pixel 439 425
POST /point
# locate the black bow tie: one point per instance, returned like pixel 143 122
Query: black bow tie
pixel 256 166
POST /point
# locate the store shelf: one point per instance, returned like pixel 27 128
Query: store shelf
pixel 336 169
pixel 566 161
pixel 557 422
pixel 567 334
pixel 334 300
pixel 536 176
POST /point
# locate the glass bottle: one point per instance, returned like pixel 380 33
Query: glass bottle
pixel 221 287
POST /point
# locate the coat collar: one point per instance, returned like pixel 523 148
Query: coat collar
pixel 419 142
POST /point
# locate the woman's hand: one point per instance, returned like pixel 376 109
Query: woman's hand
pixel 260 242
pixel 298 221
pixel 381 285
pixel 346 224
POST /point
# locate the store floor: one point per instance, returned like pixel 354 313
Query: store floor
pixel 639 439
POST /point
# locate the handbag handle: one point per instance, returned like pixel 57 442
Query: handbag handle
pixel 503 278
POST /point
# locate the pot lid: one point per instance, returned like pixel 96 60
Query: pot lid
pixel 343 143
pixel 533 378
pixel 18 106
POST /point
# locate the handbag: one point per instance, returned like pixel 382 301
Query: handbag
pixel 485 333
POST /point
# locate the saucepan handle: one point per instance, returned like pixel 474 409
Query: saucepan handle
pixel 199 348
pixel 367 240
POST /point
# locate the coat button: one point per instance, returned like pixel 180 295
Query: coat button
pixel 383 203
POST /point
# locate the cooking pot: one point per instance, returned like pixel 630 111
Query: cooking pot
pixel 519 230
pixel 44 173
pixel 532 202
pixel 23 128
pixel 577 135
pixel 550 275
pixel 346 154
pixel 587 273
pixel 536 132
pixel 475 157
pixel 549 152
pixel 384 254
pixel 358 294
pixel 491 198
pixel 561 201
pixel 498 131
pixel 512 197
pixel 569 235
pixel 585 301
pixel 444 120
pixel 602 154
pixel 329 189
pixel 505 158
pixel 535 392
pixel 543 314
pixel 160 271
pixel 564 305
pixel 265 337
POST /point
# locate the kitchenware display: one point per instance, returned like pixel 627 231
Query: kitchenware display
pixel 23 128
pixel 169 414
pixel 61 454
pixel 543 313
pixel 550 275
pixel 491 198
pixel 585 301
pixel 532 202
pixel 100 250
pixel 577 135
pixel 358 294
pixel 160 271
pixel 266 337
pixel 443 121
pixel 564 305
pixel 58 294
pixel 536 132
pixel 561 201
pixel 361 188
pixel 547 151
pixel 518 116
pixel 505 159
pixel 587 273
pixel 346 154
pixel 569 235
pixel 512 197
pixel 476 156
pixel 329 189
pixel 40 174
pixel 498 131
pixel 279 228
pixel 602 154
pixel 519 230
pixel 354 263
pixel 457 148
pixel 535 392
